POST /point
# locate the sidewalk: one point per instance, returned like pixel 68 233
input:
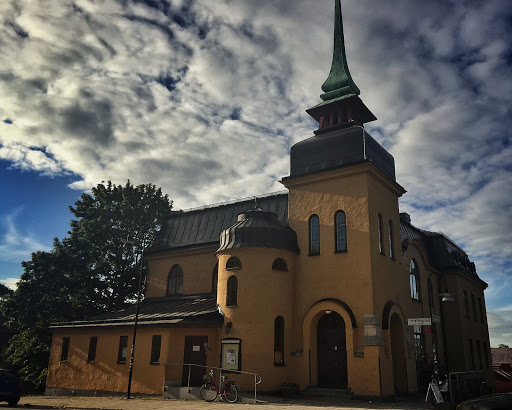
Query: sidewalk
pixel 264 403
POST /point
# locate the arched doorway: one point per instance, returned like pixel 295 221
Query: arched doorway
pixel 332 351
pixel 398 354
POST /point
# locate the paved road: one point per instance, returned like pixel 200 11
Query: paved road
pixel 266 403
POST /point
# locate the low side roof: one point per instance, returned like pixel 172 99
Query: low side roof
pixel 176 311
pixel 442 252
pixel 203 226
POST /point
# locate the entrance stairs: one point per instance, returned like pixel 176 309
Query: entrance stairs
pixel 325 392
pixel 183 393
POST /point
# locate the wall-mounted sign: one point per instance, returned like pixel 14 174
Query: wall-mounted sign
pixel 420 321
pixel 230 358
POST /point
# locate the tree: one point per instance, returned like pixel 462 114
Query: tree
pixel 89 271
pixel 501 346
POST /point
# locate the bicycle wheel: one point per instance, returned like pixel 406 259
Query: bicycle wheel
pixel 231 393
pixel 208 392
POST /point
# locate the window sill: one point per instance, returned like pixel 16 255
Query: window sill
pixel 279 364
pixel 416 300
pixel 64 361
pixel 231 306
pixel 341 251
pixel 121 362
pixel 154 363
pixel 382 253
pixel 235 268
pixel 91 361
pixel 314 254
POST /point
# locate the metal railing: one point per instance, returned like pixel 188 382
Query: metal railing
pixel 257 377
pixel 465 385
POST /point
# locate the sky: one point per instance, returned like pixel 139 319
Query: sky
pixel 205 98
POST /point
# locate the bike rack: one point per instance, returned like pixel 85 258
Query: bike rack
pixel 257 377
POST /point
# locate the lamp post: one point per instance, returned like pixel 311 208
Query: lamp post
pixel 132 354
pixel 446 297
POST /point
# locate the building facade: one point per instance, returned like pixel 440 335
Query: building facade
pixel 314 286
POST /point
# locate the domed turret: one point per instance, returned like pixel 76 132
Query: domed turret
pixel 259 229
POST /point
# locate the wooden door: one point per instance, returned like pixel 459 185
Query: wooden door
pixel 195 353
pixel 332 352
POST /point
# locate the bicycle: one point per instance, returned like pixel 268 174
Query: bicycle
pixel 210 390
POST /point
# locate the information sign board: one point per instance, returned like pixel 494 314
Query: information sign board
pixel 419 321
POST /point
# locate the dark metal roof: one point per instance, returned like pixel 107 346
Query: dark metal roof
pixel 203 226
pixel 442 252
pixel 337 149
pixel 176 311
pixel 259 229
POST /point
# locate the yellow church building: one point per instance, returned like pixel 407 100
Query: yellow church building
pixel 315 286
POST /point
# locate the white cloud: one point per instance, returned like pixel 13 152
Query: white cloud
pixel 11 283
pixel 207 99
pixel 14 245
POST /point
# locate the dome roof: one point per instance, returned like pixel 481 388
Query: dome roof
pixel 259 229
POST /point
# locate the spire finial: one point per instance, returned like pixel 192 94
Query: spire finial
pixel 340 82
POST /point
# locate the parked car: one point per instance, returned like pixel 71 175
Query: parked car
pixel 500 401
pixel 10 387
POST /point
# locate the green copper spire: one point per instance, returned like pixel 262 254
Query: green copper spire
pixel 339 84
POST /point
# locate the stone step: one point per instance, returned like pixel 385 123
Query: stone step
pixel 321 391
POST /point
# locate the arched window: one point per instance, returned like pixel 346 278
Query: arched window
pixel 233 263
pixel 232 291
pixel 340 228
pixel 215 278
pixel 175 281
pixel 414 278
pixel 381 239
pixel 279 264
pixel 391 250
pixel 279 341
pixel 314 235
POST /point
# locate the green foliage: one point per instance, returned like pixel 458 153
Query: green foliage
pixel 90 271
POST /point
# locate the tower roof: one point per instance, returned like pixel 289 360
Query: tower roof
pixel 340 82
pixel 341 104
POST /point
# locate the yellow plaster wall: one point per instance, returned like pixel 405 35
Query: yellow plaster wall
pixel 105 374
pixel 197 268
pixel 263 294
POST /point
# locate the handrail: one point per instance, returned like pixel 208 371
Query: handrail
pixel 257 377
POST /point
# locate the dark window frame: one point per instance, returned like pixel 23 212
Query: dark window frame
pixel 233 263
pixel 415 285
pixel 123 344
pixel 479 353
pixel 314 244
pixel 232 292
pixel 64 353
pixel 215 278
pixel 466 303
pixel 391 242
pixel 381 236
pixel 279 341
pixel 340 232
pixel 419 344
pixel 93 345
pixel 280 264
pixel 481 308
pixel 473 306
pixel 176 273
pixel 472 354
pixel 156 347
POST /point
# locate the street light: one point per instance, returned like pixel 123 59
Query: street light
pixel 445 297
pixel 141 266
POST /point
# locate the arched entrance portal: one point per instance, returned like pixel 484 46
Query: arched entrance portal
pixel 332 352
pixel 398 354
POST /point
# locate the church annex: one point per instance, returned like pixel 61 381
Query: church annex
pixel 314 286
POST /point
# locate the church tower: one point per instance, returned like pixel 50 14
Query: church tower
pixel 343 204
